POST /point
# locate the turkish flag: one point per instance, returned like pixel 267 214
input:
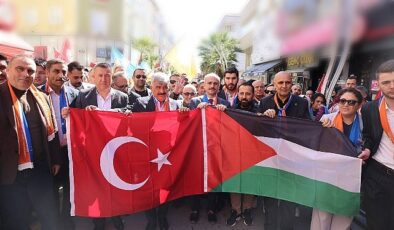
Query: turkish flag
pixel 124 164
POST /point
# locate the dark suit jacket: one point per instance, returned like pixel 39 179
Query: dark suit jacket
pixel 147 104
pixel 372 127
pixel 197 100
pixel 9 150
pixel 222 95
pixel 132 99
pixel 298 107
pixel 89 97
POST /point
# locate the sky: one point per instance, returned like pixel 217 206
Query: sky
pixel 190 21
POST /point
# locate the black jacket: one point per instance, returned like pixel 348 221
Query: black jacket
pixel 297 108
pixel 372 127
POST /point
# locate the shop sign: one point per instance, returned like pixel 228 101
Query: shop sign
pixel 301 61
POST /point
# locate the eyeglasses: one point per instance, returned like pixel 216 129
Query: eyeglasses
pixel 172 81
pixel 343 101
pixel 189 94
pixel 270 91
pixel 139 76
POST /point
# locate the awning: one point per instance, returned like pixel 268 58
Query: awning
pixel 261 68
pixel 11 45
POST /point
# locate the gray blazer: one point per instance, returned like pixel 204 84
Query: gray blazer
pixel 89 97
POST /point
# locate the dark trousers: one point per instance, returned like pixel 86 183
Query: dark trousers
pixel 196 202
pixel 280 214
pixel 155 215
pixel 378 187
pixel 63 179
pixel 33 188
pixel 99 223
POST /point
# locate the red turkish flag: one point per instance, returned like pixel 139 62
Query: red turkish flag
pixel 124 164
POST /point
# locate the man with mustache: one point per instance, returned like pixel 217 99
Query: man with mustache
pixel 245 103
pixel 62 96
pixel 3 67
pixel 210 98
pixel 158 101
pixel 229 91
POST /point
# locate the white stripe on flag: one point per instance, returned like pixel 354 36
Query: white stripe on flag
pixel 204 141
pixel 71 171
pixel 338 170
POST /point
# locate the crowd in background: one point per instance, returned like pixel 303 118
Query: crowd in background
pixel 35 97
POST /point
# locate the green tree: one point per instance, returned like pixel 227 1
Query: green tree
pixel 218 52
pixel 147 49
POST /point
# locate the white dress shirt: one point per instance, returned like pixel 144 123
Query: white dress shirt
pixel 104 103
pixel 385 152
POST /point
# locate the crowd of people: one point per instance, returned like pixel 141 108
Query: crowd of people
pixel 35 97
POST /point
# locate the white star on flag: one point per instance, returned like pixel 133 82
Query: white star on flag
pixel 161 159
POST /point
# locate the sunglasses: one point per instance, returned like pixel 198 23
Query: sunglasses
pixel 270 91
pixel 172 81
pixel 189 94
pixel 343 101
pixel 140 76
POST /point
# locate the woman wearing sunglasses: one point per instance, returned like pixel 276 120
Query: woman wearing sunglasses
pixel 348 121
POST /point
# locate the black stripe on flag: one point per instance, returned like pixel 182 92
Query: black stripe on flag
pixel 307 133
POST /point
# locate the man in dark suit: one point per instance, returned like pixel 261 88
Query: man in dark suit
pixel 283 103
pixel 101 97
pixel 158 101
pixel 28 147
pixel 210 98
pixel 378 184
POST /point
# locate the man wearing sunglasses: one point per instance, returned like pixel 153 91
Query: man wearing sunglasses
pixel 282 103
pixel 176 86
pixel 139 80
pixel 119 82
pixel 269 90
pixel 378 120
pixel 188 92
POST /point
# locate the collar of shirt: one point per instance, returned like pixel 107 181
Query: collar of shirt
pixel 160 106
pixel 104 103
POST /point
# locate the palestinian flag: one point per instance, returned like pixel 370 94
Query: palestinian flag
pixel 312 166
pixel 123 164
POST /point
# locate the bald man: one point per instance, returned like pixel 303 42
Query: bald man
pixel 283 103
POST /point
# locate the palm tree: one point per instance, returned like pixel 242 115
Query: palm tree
pixel 147 49
pixel 218 52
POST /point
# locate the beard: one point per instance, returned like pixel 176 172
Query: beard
pixel 230 86
pixel 245 103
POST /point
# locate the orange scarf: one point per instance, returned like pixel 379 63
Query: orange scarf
pixel 338 122
pixel 384 120
pixel 24 161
